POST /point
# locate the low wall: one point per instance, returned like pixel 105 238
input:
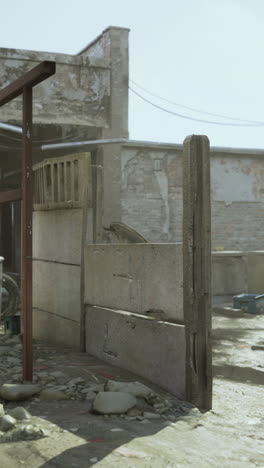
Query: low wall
pixel 149 348
pixel 124 285
pixel 237 272
pixel 137 278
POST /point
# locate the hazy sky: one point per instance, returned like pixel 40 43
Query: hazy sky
pixel 206 54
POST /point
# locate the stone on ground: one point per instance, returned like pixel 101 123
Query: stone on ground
pixel 7 423
pixel 149 415
pixel 14 392
pixel 134 388
pixel 4 350
pixel 2 411
pixel 113 402
pixel 19 413
pixel 53 394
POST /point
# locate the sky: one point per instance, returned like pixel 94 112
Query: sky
pixel 203 54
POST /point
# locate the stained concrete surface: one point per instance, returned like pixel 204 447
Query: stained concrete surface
pixel 234 334
pixel 231 435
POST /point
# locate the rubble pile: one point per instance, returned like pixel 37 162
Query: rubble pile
pixel 132 401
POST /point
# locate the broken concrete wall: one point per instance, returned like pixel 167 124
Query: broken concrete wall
pixel 140 278
pixel 78 94
pixel 132 292
pixel 151 349
pixel 152 194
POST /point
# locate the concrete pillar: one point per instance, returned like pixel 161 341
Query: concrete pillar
pixel 197 270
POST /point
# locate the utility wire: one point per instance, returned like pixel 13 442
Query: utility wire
pixel 257 122
pixel 182 116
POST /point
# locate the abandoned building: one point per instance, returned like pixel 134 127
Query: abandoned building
pixel 80 196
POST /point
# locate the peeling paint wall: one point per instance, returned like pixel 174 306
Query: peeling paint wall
pixel 79 92
pixel 152 195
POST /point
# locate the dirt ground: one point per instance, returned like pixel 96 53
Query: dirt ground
pixel 231 435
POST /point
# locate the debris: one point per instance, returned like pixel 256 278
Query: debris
pixel 148 415
pixel 19 413
pixel 13 392
pixel 257 347
pixel 134 388
pixel 53 394
pixel 113 402
pixel 7 423
pixel 2 411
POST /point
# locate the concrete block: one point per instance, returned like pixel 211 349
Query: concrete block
pixel 56 330
pixel 57 235
pixel 135 277
pixel 149 348
pixel 229 273
pixel 56 288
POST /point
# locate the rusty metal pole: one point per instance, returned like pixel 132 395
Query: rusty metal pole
pixel 26 235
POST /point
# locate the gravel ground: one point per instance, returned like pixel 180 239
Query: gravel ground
pixel 66 433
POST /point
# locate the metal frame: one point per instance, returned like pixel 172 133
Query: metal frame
pixel 24 85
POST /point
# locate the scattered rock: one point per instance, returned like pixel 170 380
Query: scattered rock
pixel 29 432
pixel 58 375
pixel 13 392
pixel 134 412
pixel 114 402
pixel 2 411
pixel 97 388
pixel 134 388
pixel 53 394
pixel 148 415
pixel 4 350
pixel 13 361
pixel 78 380
pixel 90 396
pixel 7 423
pixel 20 413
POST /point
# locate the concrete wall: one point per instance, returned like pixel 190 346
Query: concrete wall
pixel 122 283
pixel 237 272
pixel 154 350
pixel 56 276
pixel 152 194
pixel 60 230
pixel 136 278
pixel 79 92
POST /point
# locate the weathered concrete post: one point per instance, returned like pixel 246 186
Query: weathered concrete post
pixel 197 270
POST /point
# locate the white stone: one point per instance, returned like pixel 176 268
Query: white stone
pixel 7 423
pixel 13 392
pixel 4 350
pixel 78 380
pixel 19 413
pixel 53 394
pixel 134 388
pixel 113 402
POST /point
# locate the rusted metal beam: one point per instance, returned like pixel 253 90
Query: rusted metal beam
pixel 10 196
pixel 26 234
pixel 39 73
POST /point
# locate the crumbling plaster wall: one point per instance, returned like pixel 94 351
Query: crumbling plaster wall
pixel 78 94
pixel 152 194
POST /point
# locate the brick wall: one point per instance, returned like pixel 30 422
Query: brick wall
pixel 152 195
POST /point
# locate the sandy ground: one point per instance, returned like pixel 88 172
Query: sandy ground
pixel 231 435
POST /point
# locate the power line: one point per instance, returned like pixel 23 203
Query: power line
pixel 257 122
pixel 212 122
